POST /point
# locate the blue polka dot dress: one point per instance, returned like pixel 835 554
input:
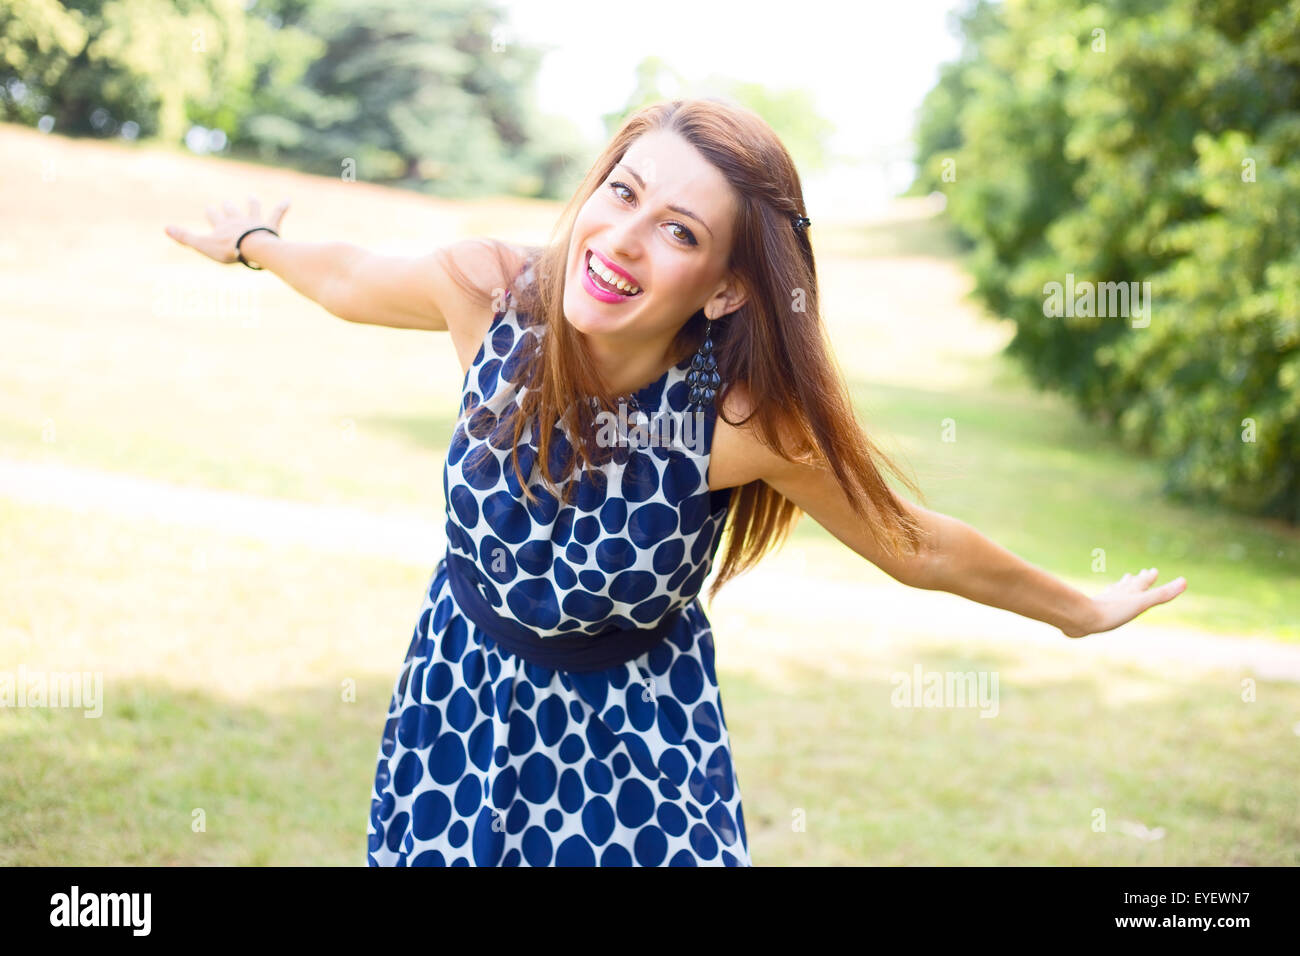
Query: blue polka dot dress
pixel 488 759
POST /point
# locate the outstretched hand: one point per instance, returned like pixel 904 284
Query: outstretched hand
pixel 227 226
pixel 1126 599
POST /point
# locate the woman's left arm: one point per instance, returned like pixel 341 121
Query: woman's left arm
pixel 956 558
pixel 966 563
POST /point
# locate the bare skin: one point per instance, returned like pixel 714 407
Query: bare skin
pixel 628 221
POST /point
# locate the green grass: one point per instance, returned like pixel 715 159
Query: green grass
pixel 288 784
pixel 879 785
pixel 223 692
pixel 243 679
pixel 281 787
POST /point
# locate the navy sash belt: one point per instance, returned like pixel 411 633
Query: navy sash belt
pixel 581 653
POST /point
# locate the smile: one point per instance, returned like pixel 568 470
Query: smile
pixel 606 284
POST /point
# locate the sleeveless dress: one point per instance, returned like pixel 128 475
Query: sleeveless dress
pixel 490 760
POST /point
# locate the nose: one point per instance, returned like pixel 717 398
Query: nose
pixel 624 236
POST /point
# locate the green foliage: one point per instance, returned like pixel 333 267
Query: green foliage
pixel 93 65
pixel 38 38
pixel 426 93
pixel 1141 141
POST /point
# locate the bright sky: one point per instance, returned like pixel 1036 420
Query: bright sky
pixel 868 65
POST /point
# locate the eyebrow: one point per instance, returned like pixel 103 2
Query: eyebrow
pixel 680 209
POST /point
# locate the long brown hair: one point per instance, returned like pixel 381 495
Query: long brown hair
pixel 774 343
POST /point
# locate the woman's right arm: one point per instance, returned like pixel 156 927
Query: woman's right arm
pixel 355 284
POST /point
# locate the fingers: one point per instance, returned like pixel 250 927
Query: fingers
pixel 229 211
pixel 1171 590
pixel 187 238
pixel 1166 592
pixel 200 243
pixel 1143 579
pixel 217 218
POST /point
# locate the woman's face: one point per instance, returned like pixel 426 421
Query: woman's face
pixel 664 218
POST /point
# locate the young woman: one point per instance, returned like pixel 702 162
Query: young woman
pixel 656 373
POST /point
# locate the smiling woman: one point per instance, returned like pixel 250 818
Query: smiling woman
pixel 558 703
pixel 698 206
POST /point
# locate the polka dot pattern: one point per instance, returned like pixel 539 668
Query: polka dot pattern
pixel 488 760
pixel 639 537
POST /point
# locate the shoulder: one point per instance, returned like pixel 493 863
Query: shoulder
pixel 470 281
pixel 740 453
pixel 487 264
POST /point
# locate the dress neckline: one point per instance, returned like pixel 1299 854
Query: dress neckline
pixel 652 392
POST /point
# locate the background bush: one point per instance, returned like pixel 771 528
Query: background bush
pixel 1141 141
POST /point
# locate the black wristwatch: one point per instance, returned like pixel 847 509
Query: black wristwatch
pixel 240 253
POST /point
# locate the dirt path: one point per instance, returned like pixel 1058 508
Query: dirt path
pixel 411 538
pixel 820 622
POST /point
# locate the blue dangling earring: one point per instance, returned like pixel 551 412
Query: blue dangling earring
pixel 703 377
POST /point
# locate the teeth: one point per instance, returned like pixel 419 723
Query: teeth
pixel 611 277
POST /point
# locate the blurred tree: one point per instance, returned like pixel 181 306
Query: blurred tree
pixel 95 64
pixel 1141 141
pixel 38 40
pixel 655 79
pixel 791 113
pixel 430 93
pixel 426 93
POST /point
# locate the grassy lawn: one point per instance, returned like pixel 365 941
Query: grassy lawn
pixel 227 662
pixel 874 784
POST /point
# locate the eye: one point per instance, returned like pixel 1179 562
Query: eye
pixel 690 238
pixel 687 239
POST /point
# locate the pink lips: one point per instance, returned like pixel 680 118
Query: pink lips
pixel 616 270
pixel 598 293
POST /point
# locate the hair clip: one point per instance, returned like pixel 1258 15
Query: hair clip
pixel 802 222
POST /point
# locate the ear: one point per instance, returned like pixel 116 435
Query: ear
pixel 730 298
